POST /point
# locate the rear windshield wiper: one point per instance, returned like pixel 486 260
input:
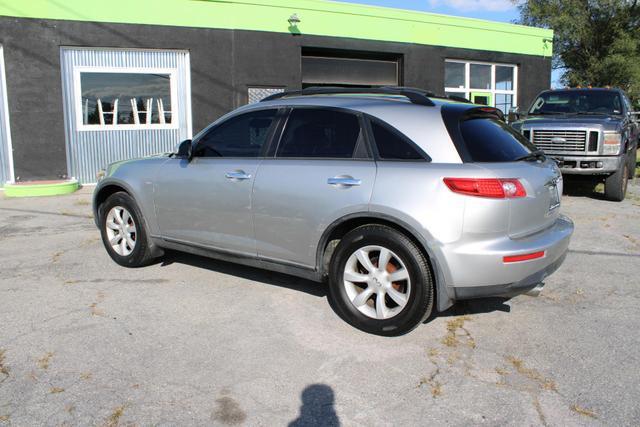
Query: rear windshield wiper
pixel 534 155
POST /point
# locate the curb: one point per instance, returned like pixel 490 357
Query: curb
pixel 41 189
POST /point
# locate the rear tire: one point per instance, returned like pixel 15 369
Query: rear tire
pixel 123 231
pixel 375 302
pixel 615 185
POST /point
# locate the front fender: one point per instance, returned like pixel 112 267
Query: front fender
pixel 136 177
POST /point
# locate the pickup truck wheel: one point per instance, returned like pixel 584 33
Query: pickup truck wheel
pixel 380 281
pixel 615 185
pixel 123 232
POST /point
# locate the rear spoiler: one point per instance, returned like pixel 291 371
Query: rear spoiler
pixel 483 112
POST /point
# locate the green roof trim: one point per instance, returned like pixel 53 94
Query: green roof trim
pixel 318 17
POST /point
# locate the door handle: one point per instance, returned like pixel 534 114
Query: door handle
pixel 237 175
pixel 344 181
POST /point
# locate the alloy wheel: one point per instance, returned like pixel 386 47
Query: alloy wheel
pixel 377 282
pixel 121 230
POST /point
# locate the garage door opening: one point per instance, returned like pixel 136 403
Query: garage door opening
pixel 349 69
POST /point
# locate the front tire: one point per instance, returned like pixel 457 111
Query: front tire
pixel 615 185
pixel 123 232
pixel 380 281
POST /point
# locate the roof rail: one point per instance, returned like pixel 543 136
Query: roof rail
pixel 416 96
pixel 455 98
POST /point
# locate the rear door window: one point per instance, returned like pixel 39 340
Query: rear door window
pixel 490 140
pixel 319 133
pixel 392 145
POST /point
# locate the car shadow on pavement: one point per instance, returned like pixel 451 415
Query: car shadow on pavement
pixel 475 306
pixel 246 272
pixel 582 187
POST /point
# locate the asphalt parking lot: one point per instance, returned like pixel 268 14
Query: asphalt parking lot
pixel 192 341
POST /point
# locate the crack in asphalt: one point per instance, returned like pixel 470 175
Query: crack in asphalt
pixel 603 253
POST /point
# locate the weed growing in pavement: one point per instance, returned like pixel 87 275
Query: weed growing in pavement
pixel 114 419
pixel 3 369
pixel 584 411
pixel 44 361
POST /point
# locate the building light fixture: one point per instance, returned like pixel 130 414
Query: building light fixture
pixel 294 20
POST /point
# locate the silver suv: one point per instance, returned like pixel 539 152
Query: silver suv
pixel 400 199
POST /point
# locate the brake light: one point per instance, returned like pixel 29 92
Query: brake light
pixel 525 257
pixel 487 187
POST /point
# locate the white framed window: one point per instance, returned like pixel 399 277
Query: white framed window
pixel 488 83
pixel 125 98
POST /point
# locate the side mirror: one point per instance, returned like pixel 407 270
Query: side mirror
pixel 185 150
pixel 514 114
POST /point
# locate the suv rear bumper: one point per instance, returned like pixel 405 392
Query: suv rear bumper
pixel 587 165
pixel 478 269
pixel 512 289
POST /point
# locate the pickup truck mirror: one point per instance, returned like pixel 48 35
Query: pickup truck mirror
pixel 514 114
pixel 185 150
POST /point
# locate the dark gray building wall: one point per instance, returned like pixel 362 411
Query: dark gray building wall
pixel 34 83
pixel 223 64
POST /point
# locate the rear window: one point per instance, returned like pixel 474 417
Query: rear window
pixel 490 140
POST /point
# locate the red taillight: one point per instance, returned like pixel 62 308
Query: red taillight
pixel 487 187
pixel 525 257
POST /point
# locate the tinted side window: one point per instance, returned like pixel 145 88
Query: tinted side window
pixel 392 145
pixel 241 136
pixel 490 140
pixel 320 133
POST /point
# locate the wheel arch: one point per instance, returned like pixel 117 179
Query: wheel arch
pixel 107 189
pixel 103 192
pixel 340 227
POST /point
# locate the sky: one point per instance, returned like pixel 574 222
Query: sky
pixel 493 10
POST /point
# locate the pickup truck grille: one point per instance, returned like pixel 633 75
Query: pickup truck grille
pixel 552 139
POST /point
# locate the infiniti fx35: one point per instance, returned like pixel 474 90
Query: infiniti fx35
pixel 402 201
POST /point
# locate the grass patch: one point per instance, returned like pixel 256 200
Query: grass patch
pixel 435 386
pixel 532 374
pixel 56 256
pixel 44 361
pixel 3 369
pixel 584 411
pixel 453 326
pixel 114 418
pixel 95 311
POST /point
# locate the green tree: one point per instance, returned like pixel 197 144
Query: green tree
pixel 596 42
